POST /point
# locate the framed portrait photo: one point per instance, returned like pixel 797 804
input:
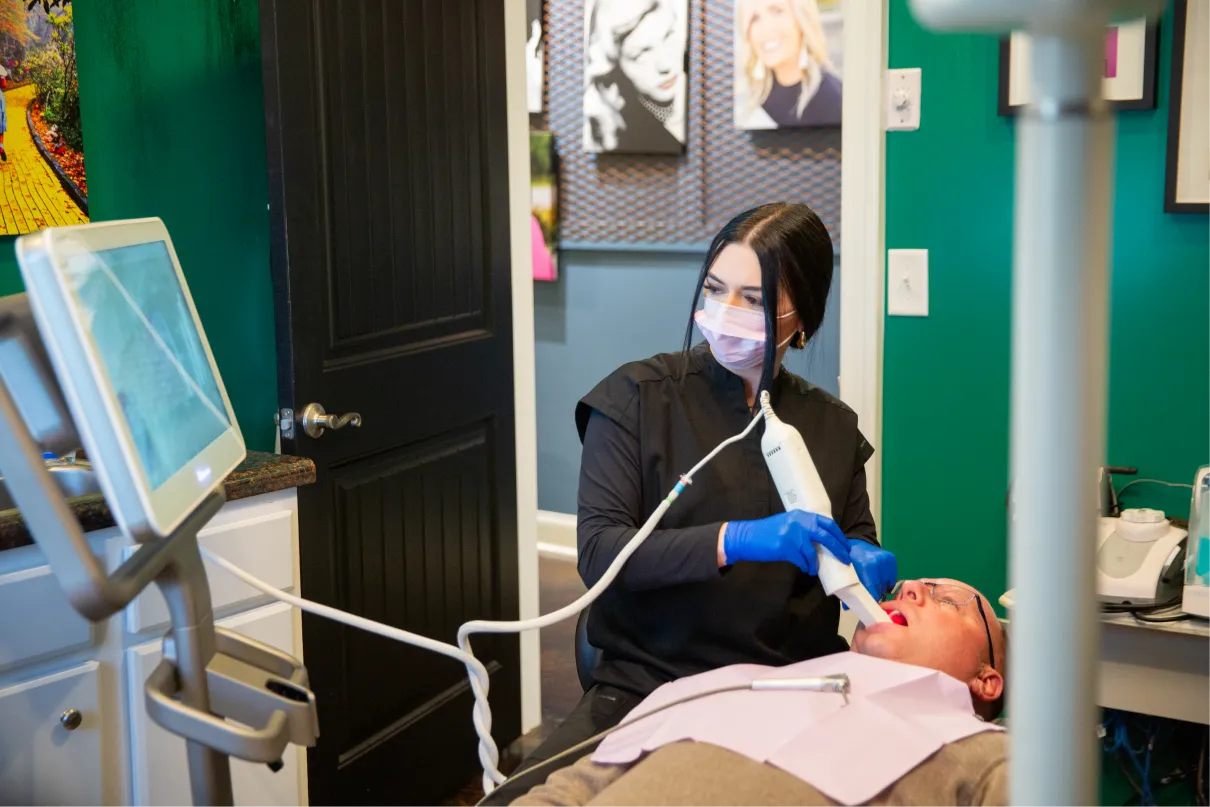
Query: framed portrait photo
pixel 1187 180
pixel 788 62
pixel 634 76
pixel 1128 78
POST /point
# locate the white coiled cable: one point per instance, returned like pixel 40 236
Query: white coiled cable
pixel 489 753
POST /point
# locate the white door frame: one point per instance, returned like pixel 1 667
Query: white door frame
pixel 862 233
pixel 524 392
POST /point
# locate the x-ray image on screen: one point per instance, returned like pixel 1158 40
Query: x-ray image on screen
pixel 136 312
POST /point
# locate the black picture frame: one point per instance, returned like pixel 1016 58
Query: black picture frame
pixel 1175 87
pixel 1151 55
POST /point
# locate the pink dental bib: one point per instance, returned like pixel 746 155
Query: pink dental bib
pixel 898 715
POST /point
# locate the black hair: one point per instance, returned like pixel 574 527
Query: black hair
pixel 795 253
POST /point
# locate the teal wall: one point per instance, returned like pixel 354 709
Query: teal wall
pixel 946 377
pixel 945 436
pixel 170 95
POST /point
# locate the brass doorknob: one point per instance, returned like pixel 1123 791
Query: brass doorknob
pixel 315 420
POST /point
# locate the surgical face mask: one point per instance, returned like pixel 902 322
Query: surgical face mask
pixel 736 335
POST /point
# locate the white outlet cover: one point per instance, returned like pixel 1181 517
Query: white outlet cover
pixel 907 283
pixel 903 99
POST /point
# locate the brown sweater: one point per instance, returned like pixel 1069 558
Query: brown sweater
pixel 972 771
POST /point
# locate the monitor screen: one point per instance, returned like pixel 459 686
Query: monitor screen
pixel 134 309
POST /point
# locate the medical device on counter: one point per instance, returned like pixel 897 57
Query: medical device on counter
pixel 105 350
pixel 1140 558
pixel 1196 595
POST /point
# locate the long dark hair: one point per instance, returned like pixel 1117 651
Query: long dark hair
pixel 795 253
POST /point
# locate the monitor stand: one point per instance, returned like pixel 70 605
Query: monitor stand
pixel 208 674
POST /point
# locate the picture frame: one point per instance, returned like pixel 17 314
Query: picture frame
pixel 1187 172
pixel 1130 76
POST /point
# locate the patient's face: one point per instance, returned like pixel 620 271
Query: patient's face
pixel 937 635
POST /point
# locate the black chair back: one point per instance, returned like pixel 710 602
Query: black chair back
pixel 587 656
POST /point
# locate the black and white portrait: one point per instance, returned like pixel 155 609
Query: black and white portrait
pixel 634 76
pixel 535 56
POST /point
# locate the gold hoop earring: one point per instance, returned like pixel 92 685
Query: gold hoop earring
pixel 800 341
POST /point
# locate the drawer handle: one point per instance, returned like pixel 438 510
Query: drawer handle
pixel 71 719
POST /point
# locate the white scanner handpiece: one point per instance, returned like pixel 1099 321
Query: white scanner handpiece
pixel 800 488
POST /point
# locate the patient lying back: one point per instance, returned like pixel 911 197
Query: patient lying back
pixel 941 625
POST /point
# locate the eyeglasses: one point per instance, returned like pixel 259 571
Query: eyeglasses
pixel 956 596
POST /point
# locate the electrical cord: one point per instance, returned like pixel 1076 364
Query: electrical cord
pixel 601 735
pixel 1134 482
pixel 805 685
pixel 489 753
pixel 1151 608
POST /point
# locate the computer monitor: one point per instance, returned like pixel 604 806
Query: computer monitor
pixel 136 370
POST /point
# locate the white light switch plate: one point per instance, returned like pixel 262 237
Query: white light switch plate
pixel 903 99
pixel 907 282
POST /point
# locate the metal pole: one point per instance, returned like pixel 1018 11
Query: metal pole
pixel 1060 281
pixel 187 593
pixel 1060 300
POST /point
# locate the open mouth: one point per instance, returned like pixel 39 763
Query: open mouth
pixel 897 616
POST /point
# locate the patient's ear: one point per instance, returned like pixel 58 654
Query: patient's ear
pixel 987 686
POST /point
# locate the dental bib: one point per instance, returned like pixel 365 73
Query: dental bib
pixel 897 716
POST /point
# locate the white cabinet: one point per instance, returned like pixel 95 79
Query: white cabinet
pixel 40 621
pixel 42 761
pixel 161 774
pixel 52 660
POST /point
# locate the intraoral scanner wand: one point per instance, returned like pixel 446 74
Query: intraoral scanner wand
pixel 800 488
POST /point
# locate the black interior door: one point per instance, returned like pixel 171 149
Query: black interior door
pixel 389 205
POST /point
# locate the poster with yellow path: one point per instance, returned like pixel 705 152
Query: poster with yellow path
pixel 42 177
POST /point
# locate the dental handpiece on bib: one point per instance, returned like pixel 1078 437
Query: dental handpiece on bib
pixel 800 488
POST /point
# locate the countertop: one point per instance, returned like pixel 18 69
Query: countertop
pixel 258 473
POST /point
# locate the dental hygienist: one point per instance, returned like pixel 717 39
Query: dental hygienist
pixel 729 576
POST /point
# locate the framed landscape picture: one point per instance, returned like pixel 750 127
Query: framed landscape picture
pixel 42 180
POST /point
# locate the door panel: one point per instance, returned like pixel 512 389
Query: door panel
pixel 389 203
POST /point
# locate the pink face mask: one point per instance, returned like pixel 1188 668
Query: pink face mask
pixel 736 335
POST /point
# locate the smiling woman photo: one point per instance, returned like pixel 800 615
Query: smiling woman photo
pixel 785 75
pixel 634 71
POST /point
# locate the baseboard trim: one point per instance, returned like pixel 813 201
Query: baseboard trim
pixel 556 535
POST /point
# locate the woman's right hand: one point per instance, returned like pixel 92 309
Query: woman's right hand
pixel 789 537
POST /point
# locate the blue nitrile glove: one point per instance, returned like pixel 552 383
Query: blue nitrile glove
pixel 876 568
pixel 786 536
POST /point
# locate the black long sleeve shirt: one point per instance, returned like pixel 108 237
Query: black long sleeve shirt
pixel 672 612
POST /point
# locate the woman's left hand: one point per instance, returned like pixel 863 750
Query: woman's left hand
pixel 876 568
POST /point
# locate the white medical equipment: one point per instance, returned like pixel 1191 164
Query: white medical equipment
pixel 1195 597
pixel 1140 558
pixel 105 350
pixel 1063 196
pixel 800 488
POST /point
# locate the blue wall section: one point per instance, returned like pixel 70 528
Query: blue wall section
pixel 610 307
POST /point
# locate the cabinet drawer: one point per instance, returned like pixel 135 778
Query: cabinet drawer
pixel 41 761
pixel 262 546
pixel 161 772
pixel 36 620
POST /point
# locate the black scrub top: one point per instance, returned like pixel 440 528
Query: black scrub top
pixel 672 612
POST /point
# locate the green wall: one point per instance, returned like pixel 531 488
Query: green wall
pixel 174 127
pixel 946 377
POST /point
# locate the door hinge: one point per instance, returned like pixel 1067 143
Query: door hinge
pixel 285 423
